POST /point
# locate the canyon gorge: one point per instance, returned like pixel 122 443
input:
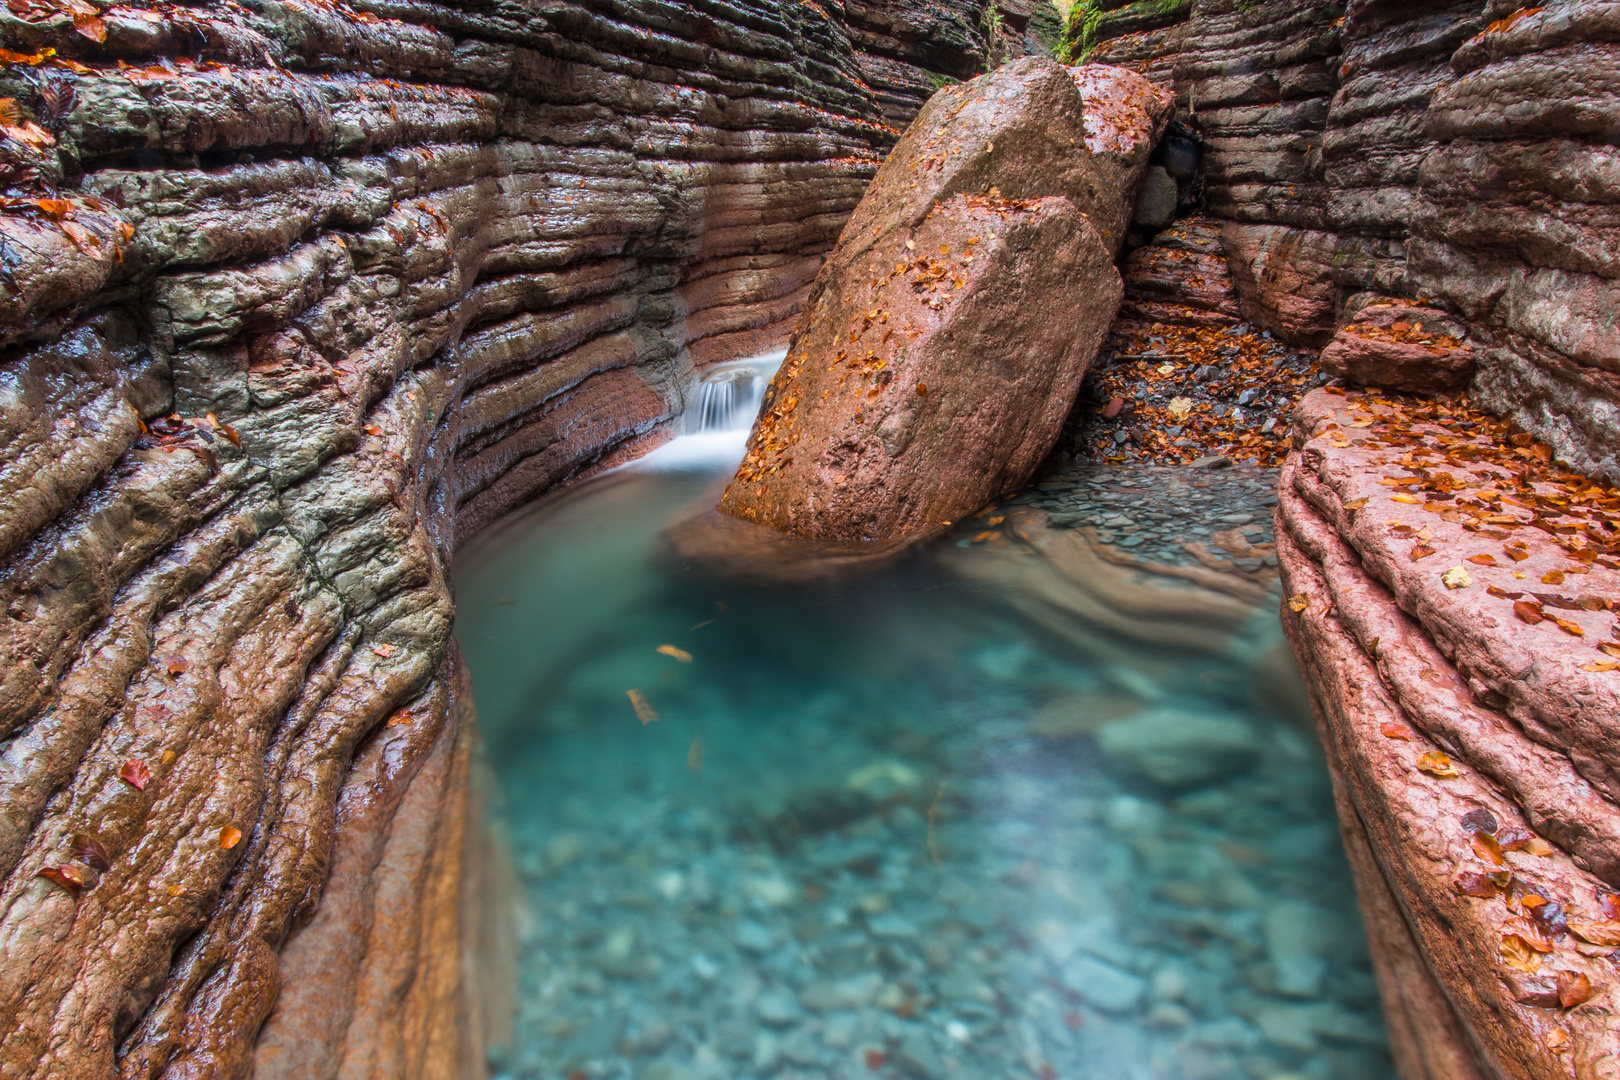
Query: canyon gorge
pixel 299 296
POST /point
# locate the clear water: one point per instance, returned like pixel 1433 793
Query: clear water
pixel 855 843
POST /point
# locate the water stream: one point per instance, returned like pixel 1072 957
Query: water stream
pixel 887 826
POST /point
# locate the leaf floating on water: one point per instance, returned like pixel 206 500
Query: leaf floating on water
pixel 229 837
pixel 679 654
pixel 694 757
pixel 1486 847
pixel 705 622
pixel 1437 763
pixel 88 850
pixel 1517 953
pixel 1391 730
pixel 644 710
pixel 136 774
pixel 1299 602
pixel 70 877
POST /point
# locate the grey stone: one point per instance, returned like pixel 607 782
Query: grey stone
pixel 1179 749
pixel 917 1057
pixel 1103 985
pixel 1292 930
pixel 778 1009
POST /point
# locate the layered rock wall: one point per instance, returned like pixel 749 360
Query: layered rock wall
pixel 294 296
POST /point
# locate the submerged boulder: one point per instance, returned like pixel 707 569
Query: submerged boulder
pixel 947 336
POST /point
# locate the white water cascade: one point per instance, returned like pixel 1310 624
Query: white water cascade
pixel 723 404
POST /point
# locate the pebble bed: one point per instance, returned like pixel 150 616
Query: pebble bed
pixel 850 846
pixel 1152 511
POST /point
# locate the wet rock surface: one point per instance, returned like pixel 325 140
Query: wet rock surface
pixel 296 295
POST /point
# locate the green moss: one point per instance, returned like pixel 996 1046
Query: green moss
pixel 1087 19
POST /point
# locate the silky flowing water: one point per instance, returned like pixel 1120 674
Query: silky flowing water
pixel 833 830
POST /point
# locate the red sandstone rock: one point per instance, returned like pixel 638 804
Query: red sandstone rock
pixel 1401 346
pixel 1285 278
pixel 1182 278
pixel 931 376
pixel 950 330
pixel 1402 663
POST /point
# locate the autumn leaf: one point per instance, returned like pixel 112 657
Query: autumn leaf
pixel 1602 665
pixel 88 850
pixel 1486 847
pixel 1475 884
pixel 1612 648
pixel 644 710
pixel 229 837
pixel 1529 612
pixel 70 877
pixel 1534 934
pixel 1438 763
pixel 1180 407
pixel 1558 1040
pixel 384 651
pixel 1456 578
pixel 676 653
pixel 1604 933
pixel 1392 730
pixel 1421 551
pixel 90 26
pixel 55 209
pixel 1482 560
pixel 1553 577
pixel 136 774
pixel 1403 498
pixel 1299 602
pixel 176 665
pixel 1568 627
pixel 1356 504
pixel 1517 953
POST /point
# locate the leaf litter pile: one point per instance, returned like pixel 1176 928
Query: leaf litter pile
pixel 1175 394
pixel 1448 458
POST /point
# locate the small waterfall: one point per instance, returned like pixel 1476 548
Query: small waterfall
pixel 727 396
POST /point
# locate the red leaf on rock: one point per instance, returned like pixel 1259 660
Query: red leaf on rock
pixel 88 850
pixel 1421 551
pixel 229 837
pixel 136 774
pixel 1574 988
pixel 70 877
pixel 1482 560
pixel 1392 730
pixel 1474 883
pixel 176 665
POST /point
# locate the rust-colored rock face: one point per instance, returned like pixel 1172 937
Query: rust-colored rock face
pixel 949 332
pixel 1401 346
pixel 296 294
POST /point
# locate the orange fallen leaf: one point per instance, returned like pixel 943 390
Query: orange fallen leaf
pixel 1517 953
pixel 384 651
pixel 1486 847
pixel 1403 498
pixel 1574 988
pixel 1604 933
pixel 1529 612
pixel 1553 577
pixel 229 837
pixel 70 877
pixel 176 665
pixel 677 653
pixel 1558 1040
pixel 1438 763
pixel 1355 504
pixel 1299 602
pixel 1421 551
pixel 1569 628
pixel 1482 560
pixel 1392 730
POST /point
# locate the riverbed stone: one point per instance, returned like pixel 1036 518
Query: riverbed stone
pixel 1179 749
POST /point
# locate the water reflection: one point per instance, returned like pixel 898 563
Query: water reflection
pixel 888 826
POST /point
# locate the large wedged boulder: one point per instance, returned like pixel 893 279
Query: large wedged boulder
pixel 949 332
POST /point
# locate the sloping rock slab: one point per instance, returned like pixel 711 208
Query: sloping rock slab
pixel 1181 278
pixel 1399 345
pixel 1471 733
